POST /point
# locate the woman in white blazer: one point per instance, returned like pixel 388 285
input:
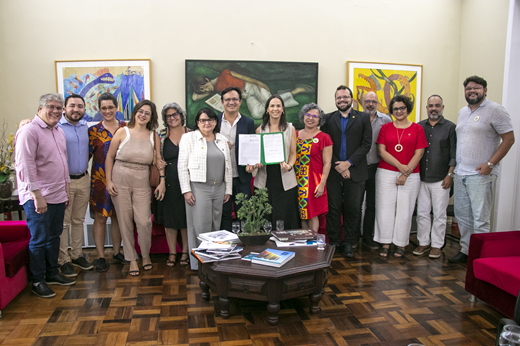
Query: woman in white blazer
pixel 205 176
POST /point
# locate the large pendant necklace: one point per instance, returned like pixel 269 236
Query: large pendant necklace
pixel 399 146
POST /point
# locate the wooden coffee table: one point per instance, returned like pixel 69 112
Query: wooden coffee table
pixel 305 274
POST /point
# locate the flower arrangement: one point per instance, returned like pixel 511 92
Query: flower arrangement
pixel 6 154
pixel 253 210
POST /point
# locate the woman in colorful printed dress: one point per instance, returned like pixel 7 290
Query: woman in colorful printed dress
pixel 101 207
pixel 313 160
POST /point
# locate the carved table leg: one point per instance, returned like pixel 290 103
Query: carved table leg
pixel 224 307
pixel 205 290
pixel 273 309
pixel 315 302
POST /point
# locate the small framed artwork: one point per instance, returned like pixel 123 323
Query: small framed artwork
pixel 295 82
pixel 386 80
pixel 128 80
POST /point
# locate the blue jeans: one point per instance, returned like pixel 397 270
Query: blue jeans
pixel 44 246
pixel 473 201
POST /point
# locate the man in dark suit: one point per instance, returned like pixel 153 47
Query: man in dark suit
pixel 351 134
pixel 231 123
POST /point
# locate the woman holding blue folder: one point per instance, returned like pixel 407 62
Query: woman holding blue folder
pixel 279 179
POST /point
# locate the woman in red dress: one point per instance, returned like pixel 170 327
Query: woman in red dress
pixel 312 167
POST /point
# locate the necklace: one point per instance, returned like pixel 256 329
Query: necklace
pixel 398 146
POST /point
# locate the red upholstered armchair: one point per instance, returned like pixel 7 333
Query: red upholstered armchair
pixel 493 273
pixel 14 258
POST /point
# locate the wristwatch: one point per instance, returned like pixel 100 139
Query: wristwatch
pixel 451 175
pixel 490 165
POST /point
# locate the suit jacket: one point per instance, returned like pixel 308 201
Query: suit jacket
pixel 359 141
pixel 244 126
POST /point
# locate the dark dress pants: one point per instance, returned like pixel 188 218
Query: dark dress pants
pixel 344 195
pixel 370 209
pixel 227 209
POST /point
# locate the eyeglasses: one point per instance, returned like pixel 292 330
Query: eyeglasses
pixel 312 115
pixel 143 112
pixel 173 115
pixel 474 88
pixel 399 109
pixel 203 121
pixel 52 108
pixel 370 101
pixel 234 99
pixel 109 108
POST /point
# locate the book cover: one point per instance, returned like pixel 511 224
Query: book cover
pixel 294 243
pixel 250 256
pixel 272 257
pixel 218 236
pixel 289 235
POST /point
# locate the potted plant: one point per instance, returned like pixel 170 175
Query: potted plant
pixel 252 210
pixel 6 162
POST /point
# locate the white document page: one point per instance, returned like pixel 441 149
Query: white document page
pixel 249 151
pixel 273 148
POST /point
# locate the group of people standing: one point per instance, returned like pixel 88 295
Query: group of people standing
pixel 329 167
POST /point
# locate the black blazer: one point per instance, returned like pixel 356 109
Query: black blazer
pixel 359 141
pixel 244 126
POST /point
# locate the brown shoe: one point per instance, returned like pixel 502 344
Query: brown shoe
pixel 435 253
pixel 421 250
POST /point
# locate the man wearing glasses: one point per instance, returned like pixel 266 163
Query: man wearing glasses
pixel 351 134
pixel 377 119
pixel 231 124
pixel 484 137
pixel 43 178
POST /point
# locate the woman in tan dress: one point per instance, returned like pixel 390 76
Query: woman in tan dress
pixel 128 180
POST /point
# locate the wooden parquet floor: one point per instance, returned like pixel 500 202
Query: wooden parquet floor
pixel 368 301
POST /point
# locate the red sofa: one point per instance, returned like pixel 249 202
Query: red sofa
pixel 14 259
pixel 493 273
pixel 159 243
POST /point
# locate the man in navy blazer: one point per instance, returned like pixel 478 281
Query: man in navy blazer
pixel 351 134
pixel 231 123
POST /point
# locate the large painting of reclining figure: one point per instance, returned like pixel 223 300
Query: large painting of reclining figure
pixel 387 81
pixel 128 80
pixel 295 82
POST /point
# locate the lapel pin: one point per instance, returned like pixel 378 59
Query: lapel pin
pixel 476 118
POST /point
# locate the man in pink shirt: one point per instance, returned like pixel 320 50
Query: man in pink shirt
pixel 43 177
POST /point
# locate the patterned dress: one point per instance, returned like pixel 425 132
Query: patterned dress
pixel 309 169
pixel 99 142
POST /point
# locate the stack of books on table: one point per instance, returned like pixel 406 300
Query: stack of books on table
pixel 294 237
pixel 273 258
pixel 217 246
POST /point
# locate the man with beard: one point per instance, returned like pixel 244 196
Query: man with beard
pixel 351 135
pixel 76 134
pixel 231 124
pixel 481 126
pixel 437 166
pixel 377 119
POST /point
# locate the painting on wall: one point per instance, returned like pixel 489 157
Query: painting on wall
pixel 127 80
pixel 295 82
pixel 387 81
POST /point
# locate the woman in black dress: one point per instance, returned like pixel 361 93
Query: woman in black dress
pixel 171 211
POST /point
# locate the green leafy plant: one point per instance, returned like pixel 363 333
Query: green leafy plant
pixel 252 211
pixel 6 153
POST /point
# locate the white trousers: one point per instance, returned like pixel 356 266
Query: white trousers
pixel 432 195
pixel 394 207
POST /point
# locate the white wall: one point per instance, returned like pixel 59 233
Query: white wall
pixel 35 33
pixel 507 201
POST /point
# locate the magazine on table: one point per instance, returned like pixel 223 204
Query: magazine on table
pixel 205 257
pixel 294 243
pixel 219 236
pixel 273 258
pixel 250 256
pixel 289 235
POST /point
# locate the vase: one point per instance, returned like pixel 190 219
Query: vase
pixel 255 239
pixel 6 190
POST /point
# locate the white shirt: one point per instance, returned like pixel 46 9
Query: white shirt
pixel 230 132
